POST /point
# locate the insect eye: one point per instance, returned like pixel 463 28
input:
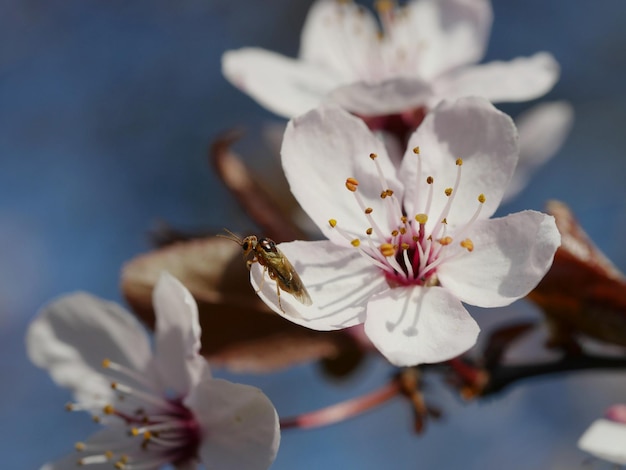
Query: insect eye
pixel 246 246
pixel 269 246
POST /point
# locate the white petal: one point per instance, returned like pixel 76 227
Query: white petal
pixel 177 336
pixel 486 140
pixel 542 131
pixel 606 440
pixel 448 33
pixel 285 86
pixel 71 336
pixel 338 280
pixel 521 79
pixel 417 325
pixel 336 36
pixel 239 423
pixel 511 255
pixel 323 148
pixel 388 97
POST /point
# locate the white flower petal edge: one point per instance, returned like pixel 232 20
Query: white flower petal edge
pixel 510 256
pixel 72 335
pixel 285 86
pixel 152 419
pixel 605 439
pixel 520 79
pixel 243 415
pixel 419 325
pixel 542 131
pixel 338 300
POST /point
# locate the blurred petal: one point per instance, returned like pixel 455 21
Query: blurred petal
pixel 71 336
pixel 336 36
pixel 338 279
pixel 417 325
pixel 323 148
pixel 542 131
pixel 511 255
pixel 486 140
pixel 605 440
pixel 521 79
pixel 285 86
pixel 177 336
pixel 239 424
pixel 391 96
pixel 451 33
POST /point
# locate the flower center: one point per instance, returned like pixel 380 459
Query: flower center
pixel 411 249
pixel 153 430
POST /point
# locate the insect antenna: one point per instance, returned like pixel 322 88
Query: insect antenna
pixel 232 237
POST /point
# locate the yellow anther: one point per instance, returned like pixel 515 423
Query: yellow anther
pixel 394 233
pixel 445 240
pixel 80 462
pixel 430 180
pixel 415 238
pixel 147 435
pixel 108 409
pixel 402 230
pixel 389 192
pixel 114 385
pixel 384 6
pixel 106 363
pixel 119 465
pixel 468 244
pixel 383 194
pixel 448 191
pixel 95 419
pixel 459 161
pixel 405 246
pixel 369 210
pixel 387 249
pixel 373 156
pixel 352 184
pixel 416 150
pixel 369 231
pixel 421 218
pixel 404 219
pixel 134 431
pixel 444 221
pixel 356 242
pixel 79 446
pixel 332 223
pixel 69 407
pixel 108 454
pixel 481 198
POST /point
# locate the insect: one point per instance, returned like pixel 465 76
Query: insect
pixel 275 264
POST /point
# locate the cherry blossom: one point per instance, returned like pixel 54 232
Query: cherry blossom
pixel 408 243
pixel 158 408
pixel 410 57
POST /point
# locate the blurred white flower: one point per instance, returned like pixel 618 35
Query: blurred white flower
pixel 606 440
pixel 160 408
pixel 407 244
pixel 426 51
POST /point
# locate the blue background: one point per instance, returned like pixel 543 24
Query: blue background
pixel 106 111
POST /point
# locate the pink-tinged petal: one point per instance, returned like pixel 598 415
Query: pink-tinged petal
pixel 321 149
pixel 338 280
pixel 177 336
pixel 511 255
pixel 419 325
pixel 388 97
pixel 474 130
pixel 605 439
pixel 239 425
pixel 71 336
pixel 338 36
pixel 542 131
pixel 617 413
pixel 285 86
pixel 521 79
pixel 448 33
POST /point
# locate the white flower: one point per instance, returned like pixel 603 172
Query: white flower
pixel 158 408
pixel 407 244
pixel 427 51
pixel 606 440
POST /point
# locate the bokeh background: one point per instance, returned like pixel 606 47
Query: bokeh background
pixel 106 111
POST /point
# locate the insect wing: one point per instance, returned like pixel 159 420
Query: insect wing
pixel 287 277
